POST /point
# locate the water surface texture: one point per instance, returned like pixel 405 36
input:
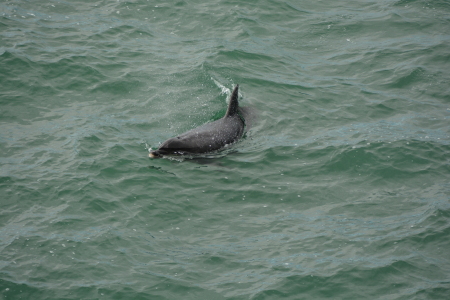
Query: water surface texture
pixel 339 190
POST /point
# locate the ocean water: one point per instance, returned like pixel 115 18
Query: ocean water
pixel 340 188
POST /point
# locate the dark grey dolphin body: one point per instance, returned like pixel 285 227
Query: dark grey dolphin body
pixel 208 137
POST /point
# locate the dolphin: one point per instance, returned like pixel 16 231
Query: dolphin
pixel 208 137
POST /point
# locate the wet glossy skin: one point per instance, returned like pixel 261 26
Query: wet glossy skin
pixel 208 137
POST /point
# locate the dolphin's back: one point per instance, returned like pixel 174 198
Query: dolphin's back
pixel 208 137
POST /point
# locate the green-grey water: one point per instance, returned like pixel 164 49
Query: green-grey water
pixel 340 189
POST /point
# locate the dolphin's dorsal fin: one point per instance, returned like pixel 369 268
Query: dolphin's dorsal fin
pixel 233 106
